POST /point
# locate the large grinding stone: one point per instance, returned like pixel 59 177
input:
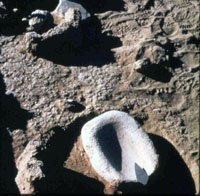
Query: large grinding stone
pixel 65 5
pixel 118 148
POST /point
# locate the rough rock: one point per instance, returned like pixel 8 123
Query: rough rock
pixel 29 168
pixel 65 5
pixel 39 18
pixel 118 148
pixel 57 36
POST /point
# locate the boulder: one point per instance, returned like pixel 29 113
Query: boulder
pixel 119 149
pixel 65 5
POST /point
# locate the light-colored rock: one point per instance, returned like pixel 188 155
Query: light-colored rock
pixel 29 168
pixel 118 148
pixel 3 13
pixel 65 5
pixel 72 14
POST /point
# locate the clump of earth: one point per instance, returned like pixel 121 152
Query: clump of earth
pixel 58 71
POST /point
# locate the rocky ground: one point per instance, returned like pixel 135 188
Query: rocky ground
pixel 141 57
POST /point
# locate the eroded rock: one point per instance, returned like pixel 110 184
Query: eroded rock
pixel 55 37
pixel 118 148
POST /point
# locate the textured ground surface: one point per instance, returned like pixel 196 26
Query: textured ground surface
pixel 34 92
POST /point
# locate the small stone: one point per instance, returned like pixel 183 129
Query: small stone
pixel 118 148
pixel 15 10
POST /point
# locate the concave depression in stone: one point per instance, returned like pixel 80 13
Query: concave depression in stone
pixel 118 148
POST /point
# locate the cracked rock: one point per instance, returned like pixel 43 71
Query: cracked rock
pixel 57 36
pixel 118 148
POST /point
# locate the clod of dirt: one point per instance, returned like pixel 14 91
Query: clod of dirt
pixel 118 148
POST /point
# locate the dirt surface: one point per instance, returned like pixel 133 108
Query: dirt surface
pixel 36 92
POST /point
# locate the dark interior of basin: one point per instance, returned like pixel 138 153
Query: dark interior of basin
pixel 110 146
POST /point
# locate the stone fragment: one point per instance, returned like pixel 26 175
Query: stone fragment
pixel 118 148
pixel 29 168
pixel 38 19
pixel 65 5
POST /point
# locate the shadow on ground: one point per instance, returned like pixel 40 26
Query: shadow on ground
pixel 12 117
pixel 95 47
pixel 57 178
pixel 173 175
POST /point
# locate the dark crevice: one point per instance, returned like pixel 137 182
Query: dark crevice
pixel 12 117
pixel 172 177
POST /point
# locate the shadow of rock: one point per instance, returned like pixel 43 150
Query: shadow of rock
pixel 173 175
pixel 76 107
pixel 12 117
pixel 132 188
pixel 14 25
pixel 162 71
pixel 161 74
pixel 95 47
pixel 57 178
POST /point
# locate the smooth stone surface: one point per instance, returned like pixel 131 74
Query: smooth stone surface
pixel 65 5
pixel 118 148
